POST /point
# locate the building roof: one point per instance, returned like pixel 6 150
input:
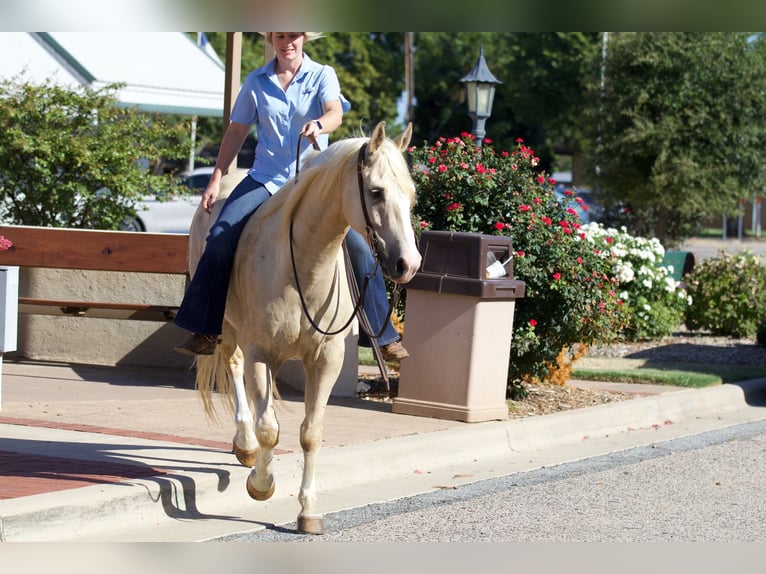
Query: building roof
pixel 163 72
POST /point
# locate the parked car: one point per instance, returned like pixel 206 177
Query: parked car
pixel 172 215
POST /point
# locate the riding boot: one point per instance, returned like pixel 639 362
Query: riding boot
pixel 394 351
pixel 198 344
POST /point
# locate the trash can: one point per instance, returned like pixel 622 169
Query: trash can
pixel 458 328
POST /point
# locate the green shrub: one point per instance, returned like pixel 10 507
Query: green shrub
pixel 728 295
pixel 60 147
pixel 570 291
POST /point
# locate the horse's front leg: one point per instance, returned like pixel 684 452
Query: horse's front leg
pixel 320 378
pixel 260 483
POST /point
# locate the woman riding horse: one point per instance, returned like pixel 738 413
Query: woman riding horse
pixel 289 98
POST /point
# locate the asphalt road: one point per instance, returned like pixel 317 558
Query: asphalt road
pixel 703 488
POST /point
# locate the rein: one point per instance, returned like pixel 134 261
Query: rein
pixel 373 239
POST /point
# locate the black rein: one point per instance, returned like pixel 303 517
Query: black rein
pixel 373 238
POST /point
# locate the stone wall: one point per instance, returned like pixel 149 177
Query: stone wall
pixel 123 342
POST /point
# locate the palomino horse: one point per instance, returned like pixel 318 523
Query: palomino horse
pixel 289 297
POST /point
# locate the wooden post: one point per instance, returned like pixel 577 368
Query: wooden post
pixel 233 66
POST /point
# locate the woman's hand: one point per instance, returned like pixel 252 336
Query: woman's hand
pixel 210 194
pixel 311 131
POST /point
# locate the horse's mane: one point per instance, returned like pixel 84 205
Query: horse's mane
pixel 325 172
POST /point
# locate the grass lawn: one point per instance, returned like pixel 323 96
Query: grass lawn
pixel 695 375
pixel 366 357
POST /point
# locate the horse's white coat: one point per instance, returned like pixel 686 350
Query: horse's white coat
pixel 265 324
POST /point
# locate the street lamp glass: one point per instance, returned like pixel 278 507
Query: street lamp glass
pixel 480 96
pixel 485 94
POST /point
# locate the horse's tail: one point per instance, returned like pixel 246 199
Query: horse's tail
pixel 214 375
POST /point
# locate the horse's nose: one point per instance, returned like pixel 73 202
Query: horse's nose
pixel 406 267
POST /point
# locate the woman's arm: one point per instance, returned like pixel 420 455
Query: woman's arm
pixel 331 118
pixel 231 143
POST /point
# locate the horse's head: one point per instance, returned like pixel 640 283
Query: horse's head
pixel 385 196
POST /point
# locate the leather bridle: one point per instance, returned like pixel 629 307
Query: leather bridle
pixel 373 239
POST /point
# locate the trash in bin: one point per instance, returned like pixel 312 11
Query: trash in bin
pixel 495 268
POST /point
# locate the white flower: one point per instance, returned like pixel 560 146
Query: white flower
pixel 624 273
pixel 646 271
pixel 619 251
pixel 670 284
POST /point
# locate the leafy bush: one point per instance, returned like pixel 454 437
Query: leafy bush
pixel 728 295
pixel 570 291
pixel 59 147
pixel 655 303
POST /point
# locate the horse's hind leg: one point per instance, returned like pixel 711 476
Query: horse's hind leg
pixel 320 378
pixel 260 483
pixel 244 444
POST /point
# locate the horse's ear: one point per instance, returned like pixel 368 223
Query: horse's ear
pixel 403 139
pixel 378 137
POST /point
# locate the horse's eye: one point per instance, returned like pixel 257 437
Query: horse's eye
pixel 376 192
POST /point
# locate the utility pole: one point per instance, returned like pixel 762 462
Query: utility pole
pixel 409 75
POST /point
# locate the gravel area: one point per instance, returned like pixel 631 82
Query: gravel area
pixel 688 347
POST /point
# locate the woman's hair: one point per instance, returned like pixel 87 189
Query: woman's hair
pixel 308 36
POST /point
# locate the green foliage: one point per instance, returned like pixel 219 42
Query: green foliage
pixel 678 127
pixel 370 68
pixel 544 86
pixel 728 295
pixel 59 147
pixel 655 303
pixel 570 296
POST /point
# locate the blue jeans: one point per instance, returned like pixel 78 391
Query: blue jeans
pixel 375 299
pixel 204 303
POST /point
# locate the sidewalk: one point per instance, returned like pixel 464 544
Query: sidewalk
pixel 709 247
pixel 115 453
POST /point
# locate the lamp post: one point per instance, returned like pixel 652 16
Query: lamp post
pixel 480 94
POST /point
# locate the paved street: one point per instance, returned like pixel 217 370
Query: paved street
pixel 705 248
pixel 703 488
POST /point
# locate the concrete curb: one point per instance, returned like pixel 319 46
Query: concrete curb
pixel 209 483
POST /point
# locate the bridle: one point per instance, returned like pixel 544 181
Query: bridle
pixel 373 239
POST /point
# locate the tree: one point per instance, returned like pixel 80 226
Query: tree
pixel 544 87
pixel 62 149
pixel 681 128
pixel 370 68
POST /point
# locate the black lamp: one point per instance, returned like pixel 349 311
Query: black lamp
pixel 480 94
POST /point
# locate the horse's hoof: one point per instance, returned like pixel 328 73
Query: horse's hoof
pixel 245 457
pixel 260 494
pixel 311 524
